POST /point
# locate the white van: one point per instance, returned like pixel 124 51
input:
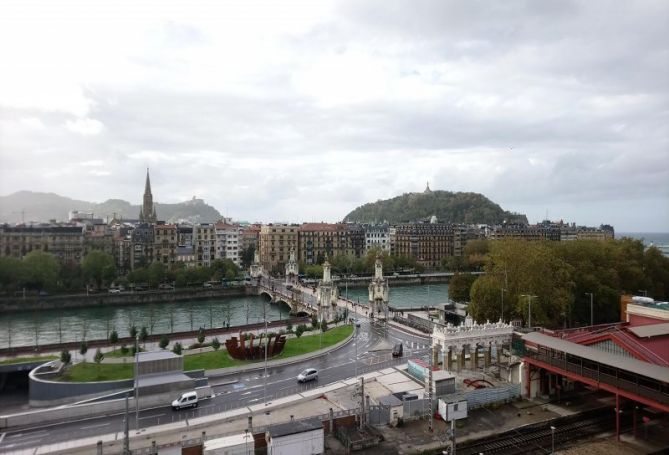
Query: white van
pixel 188 399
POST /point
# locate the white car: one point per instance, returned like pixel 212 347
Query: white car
pixel 186 400
pixel 114 291
pixel 310 374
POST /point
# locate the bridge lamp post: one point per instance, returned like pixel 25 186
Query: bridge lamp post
pixel 553 439
pixel 529 308
pixel 503 291
pixel 592 317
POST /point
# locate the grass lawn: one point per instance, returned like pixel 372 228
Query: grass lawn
pixel 91 372
pixel 118 353
pixel 207 360
pixel 45 358
pixel 310 343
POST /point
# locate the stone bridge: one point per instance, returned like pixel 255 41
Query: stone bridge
pixel 301 300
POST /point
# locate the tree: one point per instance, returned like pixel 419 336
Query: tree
pixel 164 341
pixel 156 274
pixel 143 335
pixel 215 344
pixel 314 321
pixel 11 271
pixel 98 267
pixel 289 326
pixel 460 286
pixel 133 331
pixel 300 330
pixel 65 357
pixel 98 356
pixel 177 349
pixel 200 335
pixel 39 270
pixel 324 325
pixel 247 256
pixel 113 338
pixel 83 349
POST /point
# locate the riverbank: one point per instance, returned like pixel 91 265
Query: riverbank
pixel 33 303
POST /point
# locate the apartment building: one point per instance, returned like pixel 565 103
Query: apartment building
pixel 204 244
pixel 275 242
pixel 65 242
pixel 228 241
pixel 165 242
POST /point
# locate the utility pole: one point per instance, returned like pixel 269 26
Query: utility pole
pixel 265 374
pixel 137 380
pixel 126 429
pixel 428 388
pixel 453 445
pixel 362 403
pixel 503 290
pixel 529 308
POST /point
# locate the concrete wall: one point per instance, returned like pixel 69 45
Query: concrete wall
pixel 8 304
pixel 89 410
pixel 45 390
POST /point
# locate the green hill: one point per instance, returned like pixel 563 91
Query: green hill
pixel 448 207
pixel 41 207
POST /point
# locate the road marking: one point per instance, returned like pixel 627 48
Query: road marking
pixel 96 426
pixel 28 435
pixel 152 416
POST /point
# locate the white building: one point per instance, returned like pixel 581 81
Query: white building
pixel 377 236
pixel 228 242
pixel 298 437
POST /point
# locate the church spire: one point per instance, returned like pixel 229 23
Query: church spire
pixel 148 212
pixel 147 185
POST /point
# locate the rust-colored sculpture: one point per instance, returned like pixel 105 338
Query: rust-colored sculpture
pixel 239 350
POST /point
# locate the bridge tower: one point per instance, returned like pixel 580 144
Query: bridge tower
pixel 256 268
pixel 292 268
pixel 327 295
pixel 378 291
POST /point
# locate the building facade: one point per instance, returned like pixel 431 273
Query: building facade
pixel 65 242
pixel 228 242
pixel 204 244
pixel 275 243
pixel 165 244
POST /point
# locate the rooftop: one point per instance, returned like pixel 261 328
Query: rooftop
pixel 155 355
pixel 294 427
pixel 651 330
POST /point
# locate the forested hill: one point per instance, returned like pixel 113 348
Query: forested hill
pixel 448 207
pixel 31 206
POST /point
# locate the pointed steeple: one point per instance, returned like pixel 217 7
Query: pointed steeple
pixel 147 185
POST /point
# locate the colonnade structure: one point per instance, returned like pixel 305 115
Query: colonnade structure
pixel 378 291
pixel 452 343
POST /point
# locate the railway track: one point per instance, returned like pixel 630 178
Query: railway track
pixel 537 438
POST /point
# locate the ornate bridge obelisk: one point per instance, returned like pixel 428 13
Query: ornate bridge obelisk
pixel 378 291
pixel 327 295
pixel 292 268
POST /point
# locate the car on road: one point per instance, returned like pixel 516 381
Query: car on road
pixel 115 291
pixel 356 321
pixel 166 286
pixel 310 374
pixel 185 400
pixel 206 285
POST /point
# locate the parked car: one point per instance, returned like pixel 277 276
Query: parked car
pixel 185 400
pixel 206 285
pixel 114 291
pixel 397 350
pixel 310 374
pixel 166 286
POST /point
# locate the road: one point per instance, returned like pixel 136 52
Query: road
pixel 245 389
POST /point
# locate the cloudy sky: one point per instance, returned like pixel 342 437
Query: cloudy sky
pixel 303 110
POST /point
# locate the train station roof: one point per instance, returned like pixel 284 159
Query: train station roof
pixel 651 330
pixel 635 366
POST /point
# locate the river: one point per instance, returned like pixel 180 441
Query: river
pixel 75 324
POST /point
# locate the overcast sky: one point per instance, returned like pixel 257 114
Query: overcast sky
pixel 303 110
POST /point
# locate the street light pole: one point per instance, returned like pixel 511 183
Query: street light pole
pixel 137 380
pixel 529 308
pixel 592 317
pixel 552 439
pixel 503 290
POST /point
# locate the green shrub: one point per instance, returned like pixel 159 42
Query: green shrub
pixel 164 341
pixel 200 335
pixel 216 344
pixel 65 357
pixel 124 349
pixel 177 349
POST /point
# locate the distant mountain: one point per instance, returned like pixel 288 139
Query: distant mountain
pixel 448 207
pixel 42 207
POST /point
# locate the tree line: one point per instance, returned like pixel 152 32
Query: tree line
pixel 40 271
pixel 556 279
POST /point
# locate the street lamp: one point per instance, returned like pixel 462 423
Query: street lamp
pixel 553 439
pixel 137 380
pixel 503 291
pixel 529 308
pixel 591 312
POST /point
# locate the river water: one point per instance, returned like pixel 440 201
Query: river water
pixel 55 326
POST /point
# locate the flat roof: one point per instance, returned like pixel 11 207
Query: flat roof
pixel 229 441
pixel 651 330
pixel 390 400
pixel 296 426
pixel 639 367
pixel 155 355
pixel 164 378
